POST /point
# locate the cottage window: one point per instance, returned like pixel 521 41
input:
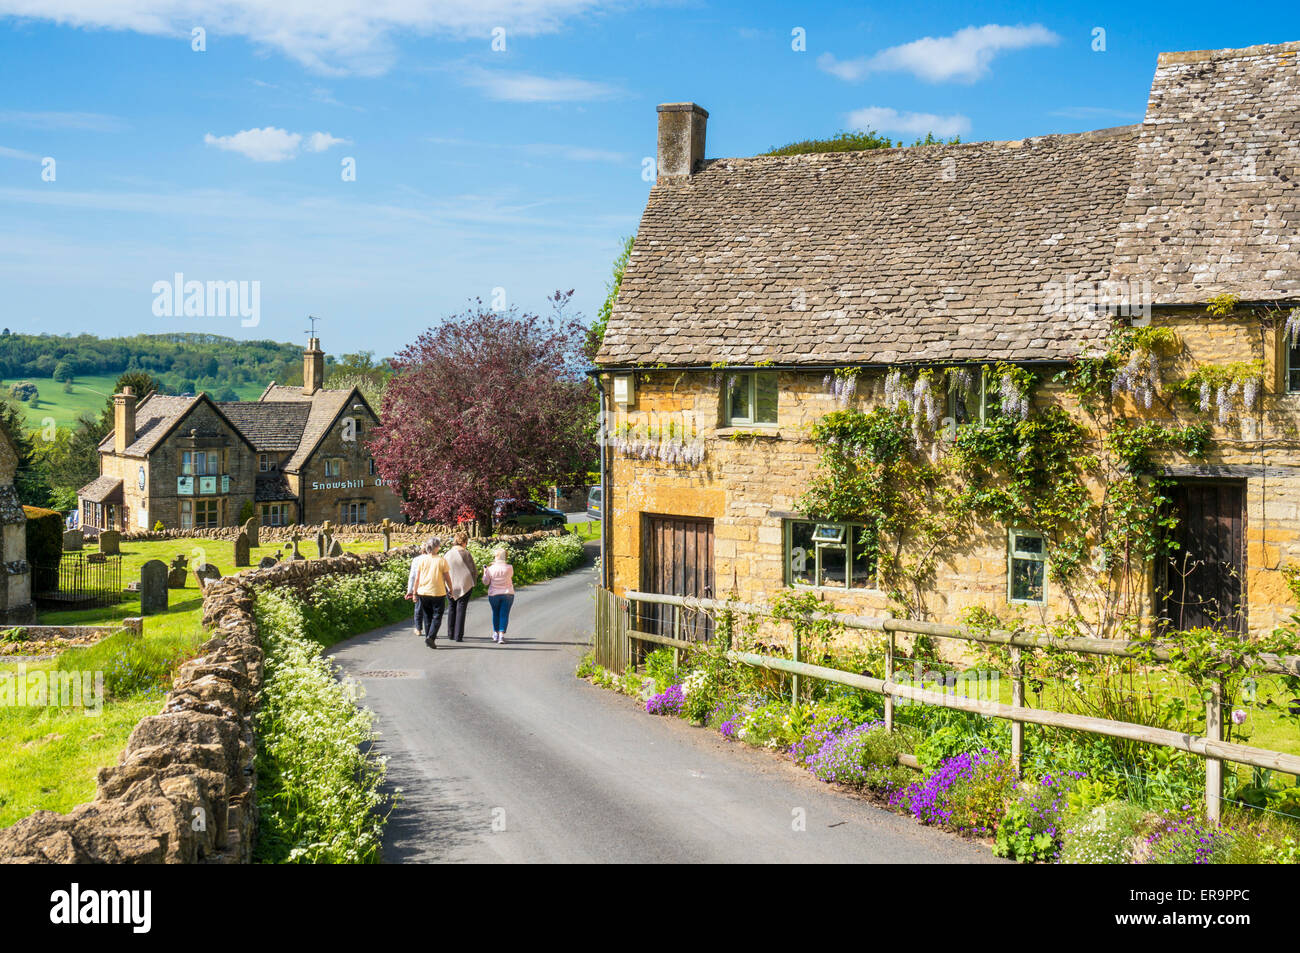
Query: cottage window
pixel 968 406
pixel 829 555
pixel 371 461
pixel 334 467
pixel 1292 368
pixel 275 514
pixel 353 513
pixel 263 462
pixel 200 462
pixel 1026 568
pixel 200 514
pixel 752 399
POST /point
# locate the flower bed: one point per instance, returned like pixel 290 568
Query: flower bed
pixel 1058 813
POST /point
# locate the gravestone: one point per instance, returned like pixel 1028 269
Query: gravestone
pixel 72 541
pixel 386 527
pixel 241 549
pixel 251 528
pixel 176 575
pixel 266 562
pixel 110 542
pixel 296 554
pixel 336 548
pixel 153 587
pixel 205 573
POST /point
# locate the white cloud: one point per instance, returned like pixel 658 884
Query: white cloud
pixel 7 153
pixel 575 153
pixel 272 144
pixel 92 122
pixel 965 56
pixel 530 88
pixel 884 119
pixel 320 141
pixel 330 36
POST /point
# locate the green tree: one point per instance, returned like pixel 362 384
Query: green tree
pixel 62 372
pixel 596 333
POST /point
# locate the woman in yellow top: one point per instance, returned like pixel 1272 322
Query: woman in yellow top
pixel 427 585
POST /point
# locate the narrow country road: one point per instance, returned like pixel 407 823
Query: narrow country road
pixel 482 737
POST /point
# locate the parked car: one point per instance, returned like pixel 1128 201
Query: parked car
pixel 593 503
pixel 525 514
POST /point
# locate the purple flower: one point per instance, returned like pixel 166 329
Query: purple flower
pixel 667 703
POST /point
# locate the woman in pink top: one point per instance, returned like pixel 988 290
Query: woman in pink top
pixel 499 577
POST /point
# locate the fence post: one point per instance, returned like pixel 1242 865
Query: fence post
pixel 677 634
pixel 1213 766
pixel 1018 700
pixel 794 679
pixel 889 677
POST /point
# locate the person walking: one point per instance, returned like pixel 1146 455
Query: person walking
pixel 462 574
pixel 410 586
pixel 499 577
pixel 428 582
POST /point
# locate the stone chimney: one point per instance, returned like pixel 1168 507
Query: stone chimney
pixel 313 367
pixel 681 139
pixel 123 420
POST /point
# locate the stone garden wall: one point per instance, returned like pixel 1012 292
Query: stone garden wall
pixel 183 790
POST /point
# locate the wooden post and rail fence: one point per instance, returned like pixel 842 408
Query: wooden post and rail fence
pixel 617 635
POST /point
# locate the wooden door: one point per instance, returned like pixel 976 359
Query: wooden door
pixel 1205 574
pixel 677 560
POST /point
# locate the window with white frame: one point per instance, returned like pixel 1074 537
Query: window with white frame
pixel 275 514
pixel 1026 567
pixel 751 399
pixel 334 467
pixel 200 462
pixel 263 462
pixel 830 555
pixel 353 512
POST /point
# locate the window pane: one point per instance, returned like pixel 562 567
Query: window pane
pixel 740 397
pixel 834 566
pixel 864 559
pixel 1027 580
pixel 1293 369
pixel 963 404
pixel 765 391
pixel 187 463
pixel 801 557
pixel 1028 544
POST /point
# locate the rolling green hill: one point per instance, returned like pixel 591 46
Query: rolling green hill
pixel 88 395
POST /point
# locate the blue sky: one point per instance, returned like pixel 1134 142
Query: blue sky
pixel 476 169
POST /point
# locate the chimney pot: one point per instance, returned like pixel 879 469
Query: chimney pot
pixel 681 139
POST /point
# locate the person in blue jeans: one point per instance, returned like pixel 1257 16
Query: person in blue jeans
pixel 499 577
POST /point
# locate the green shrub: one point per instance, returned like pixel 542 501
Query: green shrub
pixel 659 666
pixel 1104 834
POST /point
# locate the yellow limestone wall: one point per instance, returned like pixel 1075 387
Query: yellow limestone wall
pixel 752 474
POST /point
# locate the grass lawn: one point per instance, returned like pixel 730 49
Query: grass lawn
pixel 88 395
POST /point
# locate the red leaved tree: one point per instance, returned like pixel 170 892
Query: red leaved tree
pixel 484 406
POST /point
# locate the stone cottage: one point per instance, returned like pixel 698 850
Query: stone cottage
pixel 298 455
pixel 764 294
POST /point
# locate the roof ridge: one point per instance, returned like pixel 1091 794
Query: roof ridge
pixel 1108 132
pixel 1209 56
